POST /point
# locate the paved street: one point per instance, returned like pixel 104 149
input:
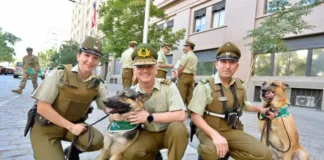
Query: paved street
pixel 14 146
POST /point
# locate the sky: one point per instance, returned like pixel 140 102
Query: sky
pixel 31 20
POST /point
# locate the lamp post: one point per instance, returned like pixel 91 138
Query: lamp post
pixel 146 20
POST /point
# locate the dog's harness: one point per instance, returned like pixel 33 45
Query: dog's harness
pixel 284 112
pixel 119 126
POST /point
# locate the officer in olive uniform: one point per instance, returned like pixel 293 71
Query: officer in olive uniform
pixel 62 111
pixel 163 64
pixel 30 69
pixel 186 72
pixel 163 115
pixel 216 107
pixel 127 65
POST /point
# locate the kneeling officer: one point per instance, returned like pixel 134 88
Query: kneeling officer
pixel 64 100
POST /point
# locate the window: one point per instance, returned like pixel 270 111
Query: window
pixel 200 20
pixel 161 26
pixel 218 14
pixel 317 67
pixel 205 68
pixel 262 65
pixel 291 63
pixel 272 7
pixel 170 24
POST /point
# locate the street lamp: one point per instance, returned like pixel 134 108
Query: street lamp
pixel 146 20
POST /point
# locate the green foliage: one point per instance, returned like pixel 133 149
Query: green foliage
pixel 66 54
pixel 45 57
pixel 7 41
pixel 287 19
pixel 124 22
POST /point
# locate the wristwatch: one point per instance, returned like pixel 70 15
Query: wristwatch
pixel 150 118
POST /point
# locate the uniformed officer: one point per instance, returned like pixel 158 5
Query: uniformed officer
pixel 30 69
pixel 64 100
pixel 162 61
pixel 186 72
pixel 127 65
pixel 216 107
pixel 163 115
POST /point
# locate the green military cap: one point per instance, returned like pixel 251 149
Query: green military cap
pixel 144 54
pixel 168 45
pixel 29 49
pixel 92 45
pixel 189 43
pixel 228 51
pixel 132 42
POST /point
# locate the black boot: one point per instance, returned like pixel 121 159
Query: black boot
pixel 159 156
pixel 74 153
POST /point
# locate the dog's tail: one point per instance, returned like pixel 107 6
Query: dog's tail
pixel 301 154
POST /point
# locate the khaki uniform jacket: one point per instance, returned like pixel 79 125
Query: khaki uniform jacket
pixel 165 98
pixel 48 90
pixel 30 61
pixel 189 62
pixel 126 59
pixel 162 59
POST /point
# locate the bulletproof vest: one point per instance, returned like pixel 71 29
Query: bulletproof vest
pixel 74 97
pixel 216 105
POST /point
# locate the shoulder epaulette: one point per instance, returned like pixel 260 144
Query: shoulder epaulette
pixel 166 81
pixel 60 67
pixel 204 81
pixel 102 81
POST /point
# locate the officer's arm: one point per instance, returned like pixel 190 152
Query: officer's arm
pixel 103 94
pixel 183 62
pixel 36 64
pixel 161 65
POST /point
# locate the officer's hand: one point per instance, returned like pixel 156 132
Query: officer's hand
pixel 221 145
pixel 137 117
pixel 270 115
pixel 171 65
pixel 77 129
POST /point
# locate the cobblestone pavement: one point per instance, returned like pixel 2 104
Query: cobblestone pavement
pixel 14 146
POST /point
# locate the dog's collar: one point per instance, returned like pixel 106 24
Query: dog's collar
pixel 283 112
pixel 119 126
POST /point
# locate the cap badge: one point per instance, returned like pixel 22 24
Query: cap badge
pixel 227 53
pixel 143 52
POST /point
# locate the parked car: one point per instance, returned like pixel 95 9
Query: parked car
pixel 46 71
pixel 5 70
pixel 18 70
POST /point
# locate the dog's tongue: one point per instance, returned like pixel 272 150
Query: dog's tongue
pixel 269 95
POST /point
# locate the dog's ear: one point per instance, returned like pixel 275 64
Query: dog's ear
pixel 285 85
pixel 143 96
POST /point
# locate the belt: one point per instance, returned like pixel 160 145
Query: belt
pixel 187 73
pixel 215 114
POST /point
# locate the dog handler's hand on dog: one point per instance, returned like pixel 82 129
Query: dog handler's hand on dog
pixel 138 117
pixel 270 115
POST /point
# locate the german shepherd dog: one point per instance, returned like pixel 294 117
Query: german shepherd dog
pixel 115 143
pixel 283 136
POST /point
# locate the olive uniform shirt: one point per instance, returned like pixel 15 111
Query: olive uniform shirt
pixel 189 62
pixel 48 90
pixel 126 59
pixel 164 98
pixel 162 59
pixel 202 96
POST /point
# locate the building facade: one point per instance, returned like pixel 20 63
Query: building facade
pixel 211 23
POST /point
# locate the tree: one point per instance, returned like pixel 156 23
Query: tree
pixel 124 21
pixel 7 40
pixel 286 19
pixel 66 54
pixel 45 57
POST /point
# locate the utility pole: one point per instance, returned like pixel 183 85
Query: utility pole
pixel 146 20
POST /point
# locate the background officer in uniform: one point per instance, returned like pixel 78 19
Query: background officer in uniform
pixel 217 134
pixel 162 61
pixel 127 65
pixel 163 115
pixel 72 90
pixel 186 72
pixel 30 63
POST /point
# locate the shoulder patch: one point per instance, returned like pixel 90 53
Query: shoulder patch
pixel 241 80
pixel 166 81
pixel 102 81
pixel 204 81
pixel 60 67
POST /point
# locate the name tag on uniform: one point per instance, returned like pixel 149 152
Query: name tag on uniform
pixel 221 99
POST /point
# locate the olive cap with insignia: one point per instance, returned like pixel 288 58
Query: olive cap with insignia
pixel 167 45
pixel 189 43
pixel 29 49
pixel 228 51
pixel 132 42
pixel 144 54
pixel 92 45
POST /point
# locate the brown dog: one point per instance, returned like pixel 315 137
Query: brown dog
pixel 116 141
pixel 283 135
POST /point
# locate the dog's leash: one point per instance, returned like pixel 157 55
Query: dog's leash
pixel 267 125
pixel 90 137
